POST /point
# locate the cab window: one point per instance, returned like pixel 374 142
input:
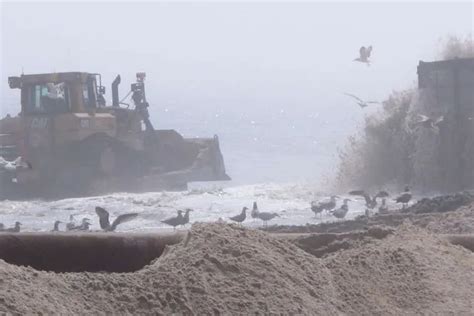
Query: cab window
pixel 88 94
pixel 48 98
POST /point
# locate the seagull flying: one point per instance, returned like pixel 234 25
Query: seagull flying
pixel 428 122
pixel 364 54
pixel 361 102
pixel 104 219
pixel 14 165
pixel 370 202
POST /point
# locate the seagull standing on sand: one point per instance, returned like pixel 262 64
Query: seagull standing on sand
pixel 405 197
pixel 56 226
pixel 364 54
pixel 15 229
pixel 264 216
pixel 241 217
pixel 72 223
pixel 104 219
pixel 85 225
pixel 186 217
pixel 254 213
pixel 324 205
pixel 267 216
pixel 174 221
pixel 360 102
pixel 370 202
pixel 383 209
pixel 317 209
pixel 342 211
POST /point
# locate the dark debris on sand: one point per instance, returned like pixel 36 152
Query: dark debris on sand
pixel 440 204
pixel 447 214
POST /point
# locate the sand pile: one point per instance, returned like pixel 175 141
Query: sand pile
pixel 222 269
pixel 218 269
pixel 460 221
pixel 409 272
pixel 229 270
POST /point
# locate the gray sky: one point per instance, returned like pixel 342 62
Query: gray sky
pixel 251 60
pixel 233 50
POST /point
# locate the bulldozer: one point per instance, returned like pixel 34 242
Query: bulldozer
pixel 66 141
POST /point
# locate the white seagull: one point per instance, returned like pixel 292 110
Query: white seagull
pixel 428 122
pixel 364 54
pixel 13 165
pixel 361 102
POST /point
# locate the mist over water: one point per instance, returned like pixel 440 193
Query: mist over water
pixel 279 145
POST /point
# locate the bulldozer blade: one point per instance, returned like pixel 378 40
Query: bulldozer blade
pixel 182 160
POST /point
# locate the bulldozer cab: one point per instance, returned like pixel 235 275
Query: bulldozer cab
pixel 71 92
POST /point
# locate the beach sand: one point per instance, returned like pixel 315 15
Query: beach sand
pixel 225 269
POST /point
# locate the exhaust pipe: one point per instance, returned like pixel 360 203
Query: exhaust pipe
pixel 115 93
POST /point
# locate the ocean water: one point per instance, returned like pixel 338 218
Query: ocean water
pixel 280 144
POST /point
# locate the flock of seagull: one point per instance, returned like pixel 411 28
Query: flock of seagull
pixel 106 226
pixel 370 203
pixel 423 121
pixel 239 218
pixel 255 214
pixel 330 206
pixel 85 224
pixel 317 207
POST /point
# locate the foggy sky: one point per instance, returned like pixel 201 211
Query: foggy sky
pixel 246 60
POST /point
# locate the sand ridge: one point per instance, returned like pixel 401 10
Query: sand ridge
pixel 410 272
pixel 225 269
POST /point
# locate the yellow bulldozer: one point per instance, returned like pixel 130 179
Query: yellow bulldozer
pixel 66 141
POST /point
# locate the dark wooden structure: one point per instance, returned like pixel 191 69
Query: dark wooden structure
pixel 450 84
